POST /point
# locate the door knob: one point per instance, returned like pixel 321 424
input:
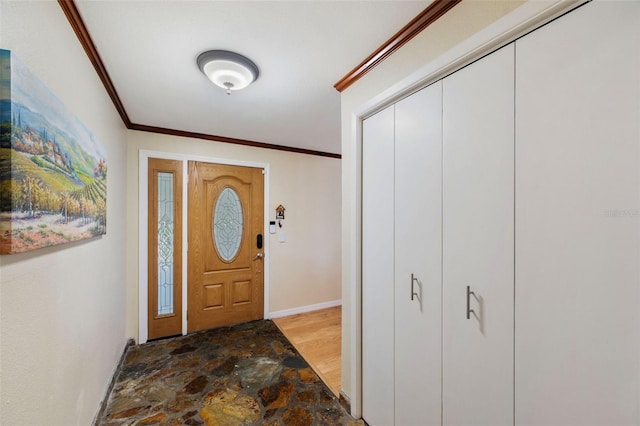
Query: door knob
pixel 258 256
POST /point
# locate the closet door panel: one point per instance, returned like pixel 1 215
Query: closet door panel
pixel 577 221
pixel 478 241
pixel 418 255
pixel 378 268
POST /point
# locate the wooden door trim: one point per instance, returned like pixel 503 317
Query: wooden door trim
pixel 143 159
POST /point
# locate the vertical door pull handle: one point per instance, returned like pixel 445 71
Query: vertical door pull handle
pixel 469 310
pixel 413 293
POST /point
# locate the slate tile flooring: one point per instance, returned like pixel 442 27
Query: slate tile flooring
pixel 248 374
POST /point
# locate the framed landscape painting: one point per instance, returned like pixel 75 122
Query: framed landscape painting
pixel 53 173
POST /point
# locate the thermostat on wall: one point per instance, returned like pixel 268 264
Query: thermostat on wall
pixel 272 227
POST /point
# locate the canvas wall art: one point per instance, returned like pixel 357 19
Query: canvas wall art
pixel 53 172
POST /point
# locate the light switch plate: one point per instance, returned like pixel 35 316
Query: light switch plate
pixel 281 237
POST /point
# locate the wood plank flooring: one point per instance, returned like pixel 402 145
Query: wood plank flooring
pixel 317 336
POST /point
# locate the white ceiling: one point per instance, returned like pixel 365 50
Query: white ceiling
pixel 302 48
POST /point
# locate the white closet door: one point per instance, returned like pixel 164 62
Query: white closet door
pixel 577 220
pixel 478 234
pixel 418 254
pixel 378 268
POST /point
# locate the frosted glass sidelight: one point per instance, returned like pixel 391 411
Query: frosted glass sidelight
pixel 227 224
pixel 165 243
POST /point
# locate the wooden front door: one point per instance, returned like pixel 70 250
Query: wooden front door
pixel 225 253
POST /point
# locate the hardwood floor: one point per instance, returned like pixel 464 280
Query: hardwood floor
pixel 317 336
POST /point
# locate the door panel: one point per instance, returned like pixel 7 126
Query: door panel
pixel 418 255
pixel 225 267
pixel 577 273
pixel 478 241
pixel 164 299
pixel 377 269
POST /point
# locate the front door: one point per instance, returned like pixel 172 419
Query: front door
pixel 225 252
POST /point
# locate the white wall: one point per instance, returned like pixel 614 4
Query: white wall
pixel 305 269
pixel 62 320
pixel 463 21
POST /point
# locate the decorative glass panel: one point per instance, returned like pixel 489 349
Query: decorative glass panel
pixel 227 224
pixel 165 243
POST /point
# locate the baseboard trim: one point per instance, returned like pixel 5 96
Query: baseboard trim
pixel 345 401
pixel 303 309
pixel 116 372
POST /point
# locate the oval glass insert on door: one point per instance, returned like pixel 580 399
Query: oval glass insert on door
pixel 227 224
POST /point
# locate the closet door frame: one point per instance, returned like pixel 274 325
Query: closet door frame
pixel 522 20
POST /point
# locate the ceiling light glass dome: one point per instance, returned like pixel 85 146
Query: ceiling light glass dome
pixel 228 70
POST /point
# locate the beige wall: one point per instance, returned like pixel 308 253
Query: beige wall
pixel 460 23
pixel 62 320
pixel 305 270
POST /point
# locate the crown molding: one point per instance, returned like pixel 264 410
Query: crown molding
pixel 425 18
pixel 225 139
pixel 75 20
pixel 73 16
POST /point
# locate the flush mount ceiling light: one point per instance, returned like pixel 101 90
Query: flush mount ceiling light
pixel 228 70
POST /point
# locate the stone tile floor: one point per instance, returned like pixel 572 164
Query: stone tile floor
pixel 248 374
